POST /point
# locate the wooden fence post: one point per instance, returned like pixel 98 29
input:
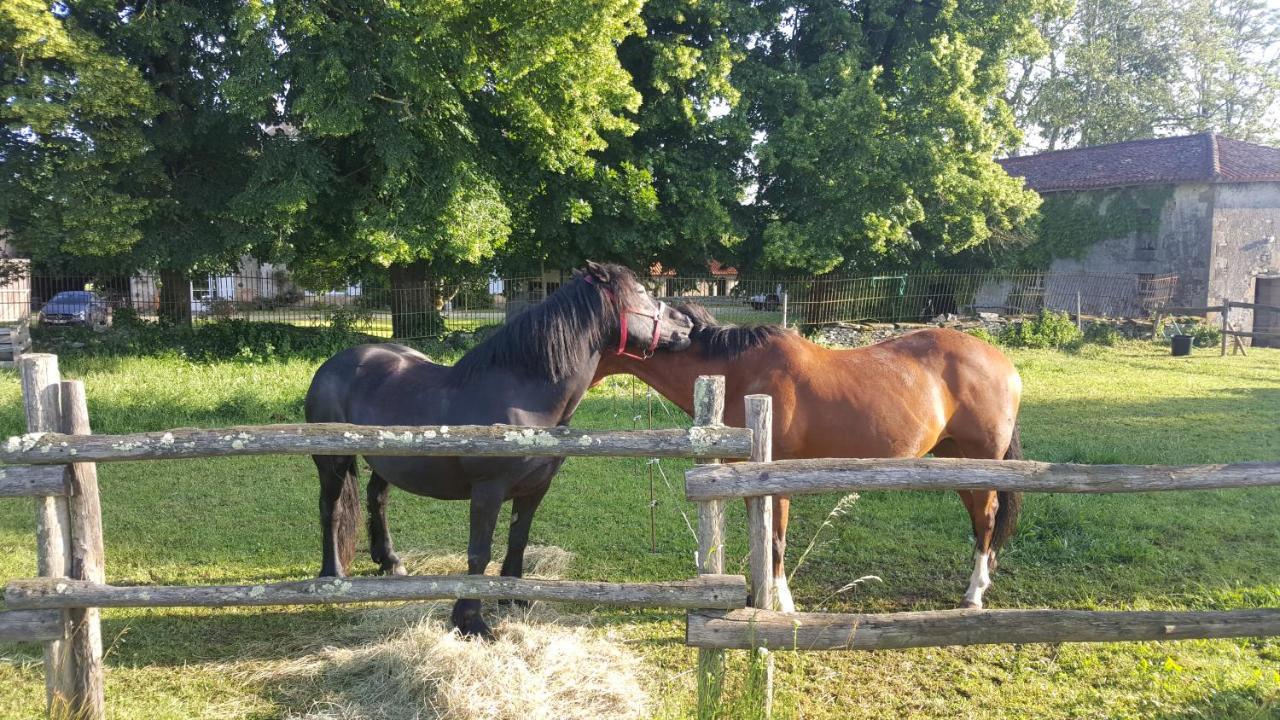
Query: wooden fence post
pixel 759 413
pixel 1226 324
pixel 708 409
pixel 42 398
pixel 87 561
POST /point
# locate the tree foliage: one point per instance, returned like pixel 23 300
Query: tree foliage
pixel 420 136
pixel 668 191
pixel 420 131
pixel 1120 70
pixel 435 140
pixel 879 123
pixel 127 152
pixel 72 142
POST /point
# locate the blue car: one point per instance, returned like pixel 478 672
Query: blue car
pixel 75 307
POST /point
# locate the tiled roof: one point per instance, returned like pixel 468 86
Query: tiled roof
pixel 1204 158
pixel 719 269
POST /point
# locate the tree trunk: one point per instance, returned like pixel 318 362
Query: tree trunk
pixel 817 308
pixel 414 310
pixel 175 297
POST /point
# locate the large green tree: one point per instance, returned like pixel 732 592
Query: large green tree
pixel 122 150
pixel 669 191
pixel 878 124
pixel 1121 70
pixel 72 144
pixel 419 135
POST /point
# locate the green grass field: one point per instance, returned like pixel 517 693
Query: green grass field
pixel 254 519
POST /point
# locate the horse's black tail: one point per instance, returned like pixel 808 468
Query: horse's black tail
pixel 1010 502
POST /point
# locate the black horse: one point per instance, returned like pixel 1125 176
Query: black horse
pixel 533 371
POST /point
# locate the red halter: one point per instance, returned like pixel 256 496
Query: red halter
pixel 622 321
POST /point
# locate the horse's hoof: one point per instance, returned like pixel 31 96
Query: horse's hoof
pixel 394 569
pixel 466 617
pixel 970 605
pixel 476 629
pixel 514 604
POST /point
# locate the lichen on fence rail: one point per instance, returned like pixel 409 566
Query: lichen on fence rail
pixel 345 439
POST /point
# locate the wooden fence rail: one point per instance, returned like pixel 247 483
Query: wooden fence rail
pixel 31 625
pixel 802 477
pixel 34 481
pixel 705 591
pixel 343 439
pixel 751 628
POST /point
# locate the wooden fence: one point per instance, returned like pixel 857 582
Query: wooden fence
pixel 56 464
pixel 758 627
pixel 1228 330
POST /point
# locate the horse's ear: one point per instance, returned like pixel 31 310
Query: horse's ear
pixel 598 271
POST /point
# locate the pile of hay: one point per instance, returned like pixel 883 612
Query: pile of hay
pixel 412 666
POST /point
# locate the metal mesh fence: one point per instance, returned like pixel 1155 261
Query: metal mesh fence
pixel 742 299
pixel 918 297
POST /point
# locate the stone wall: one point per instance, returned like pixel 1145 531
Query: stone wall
pixel 1246 221
pixel 1180 246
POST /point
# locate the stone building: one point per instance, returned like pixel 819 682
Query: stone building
pixel 1211 216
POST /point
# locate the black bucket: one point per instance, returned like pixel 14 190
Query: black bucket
pixel 1182 345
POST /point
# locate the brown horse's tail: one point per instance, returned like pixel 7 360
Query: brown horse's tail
pixel 1010 503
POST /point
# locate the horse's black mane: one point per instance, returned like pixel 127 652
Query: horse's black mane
pixel 724 342
pixel 546 340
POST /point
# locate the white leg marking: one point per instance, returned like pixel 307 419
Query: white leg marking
pixel 782 595
pixel 979 581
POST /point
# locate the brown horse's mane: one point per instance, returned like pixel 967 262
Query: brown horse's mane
pixel 725 342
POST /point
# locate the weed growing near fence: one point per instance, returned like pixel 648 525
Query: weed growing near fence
pixel 1049 329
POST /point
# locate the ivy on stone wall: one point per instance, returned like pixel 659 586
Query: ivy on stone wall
pixel 1072 222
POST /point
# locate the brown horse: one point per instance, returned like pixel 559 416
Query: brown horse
pixel 932 391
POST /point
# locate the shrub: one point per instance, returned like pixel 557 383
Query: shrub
pixel 344 319
pixel 284 298
pixel 126 317
pixel 983 334
pixel 1101 334
pixel 1205 335
pixel 1049 329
